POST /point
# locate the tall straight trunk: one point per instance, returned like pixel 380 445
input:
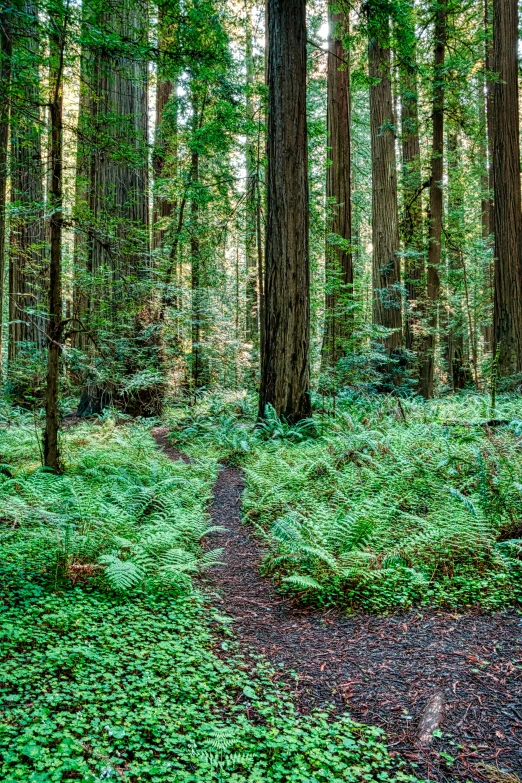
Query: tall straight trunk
pixel 5 102
pixel 458 370
pixel 386 273
pixel 252 202
pixel 55 325
pixel 197 274
pixel 162 204
pixel 339 262
pixel 112 205
pixel 285 376
pixel 27 267
pixel 164 159
pixel 486 114
pixel 412 223
pixel 507 319
pixel 427 358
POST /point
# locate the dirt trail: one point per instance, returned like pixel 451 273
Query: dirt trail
pixel 383 670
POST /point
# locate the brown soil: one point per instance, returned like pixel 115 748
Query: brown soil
pixel 383 670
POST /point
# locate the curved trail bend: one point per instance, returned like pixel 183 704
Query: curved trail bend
pixel 382 669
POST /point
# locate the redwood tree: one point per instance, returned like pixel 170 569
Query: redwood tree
pixel 385 220
pixel 427 358
pixel 507 319
pixel 339 264
pixel 412 222
pixel 5 100
pixel 27 263
pixel 112 203
pixel 56 325
pixel 285 376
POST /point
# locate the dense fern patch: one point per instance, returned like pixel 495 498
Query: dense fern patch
pixel 380 504
pixel 106 677
pixel 122 513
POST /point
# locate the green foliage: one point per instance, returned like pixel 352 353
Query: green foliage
pixel 96 688
pixel 386 506
pixel 125 684
pixel 122 513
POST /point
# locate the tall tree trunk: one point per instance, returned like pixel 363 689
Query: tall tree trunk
pixel 285 376
pixel 427 359
pixel 162 205
pixel 112 205
pixel 339 262
pixel 252 203
pixel 486 114
pixel 386 273
pixel 507 317
pixel 412 228
pixel 164 159
pixel 27 267
pixel 55 326
pixel 458 371
pixel 5 103
pixel 198 295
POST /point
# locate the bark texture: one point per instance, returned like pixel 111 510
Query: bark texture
pixel 112 204
pixel 55 326
pixel 427 358
pixel 285 377
pixel 252 202
pixel 486 107
pixel 456 350
pixel 507 318
pixel 386 273
pixel 5 101
pixel 339 263
pixel 412 223
pixel 27 262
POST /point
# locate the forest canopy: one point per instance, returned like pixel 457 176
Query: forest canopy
pixel 166 227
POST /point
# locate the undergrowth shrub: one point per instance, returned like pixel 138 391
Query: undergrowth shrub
pixel 95 688
pixel 379 503
pixel 380 512
pixel 122 513
pixel 103 680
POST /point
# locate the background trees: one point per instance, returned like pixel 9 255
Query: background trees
pixel 183 261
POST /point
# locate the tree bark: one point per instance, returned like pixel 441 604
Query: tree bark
pixel 486 107
pixel 252 203
pixel 112 204
pixel 458 369
pixel 386 273
pixel 427 359
pixel 339 262
pixel 197 274
pixel 507 318
pixel 27 262
pixel 162 205
pixel 412 223
pixel 285 377
pixel 164 159
pixel 55 326
pixel 5 103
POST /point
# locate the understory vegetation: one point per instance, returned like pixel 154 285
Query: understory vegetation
pixel 381 503
pixel 112 664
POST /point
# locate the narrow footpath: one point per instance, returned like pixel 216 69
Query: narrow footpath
pixel 383 670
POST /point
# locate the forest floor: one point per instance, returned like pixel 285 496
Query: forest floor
pixel 382 669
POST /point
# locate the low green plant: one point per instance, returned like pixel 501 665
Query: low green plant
pixel 382 503
pixel 106 671
pixel 122 513
pixel 393 508
pixel 95 688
